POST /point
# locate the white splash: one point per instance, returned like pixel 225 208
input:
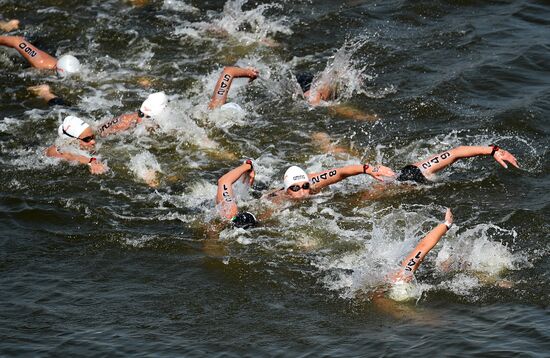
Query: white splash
pixel 146 167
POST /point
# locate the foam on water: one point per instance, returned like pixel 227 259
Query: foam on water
pixel 386 236
pixel 474 250
pixel 178 5
pixel 247 26
pixel 146 167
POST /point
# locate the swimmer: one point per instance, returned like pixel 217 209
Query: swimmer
pixel 320 91
pixel 157 102
pixel 45 92
pixel 387 298
pixel 299 185
pixel 64 66
pixel 74 131
pixel 151 108
pixel 225 197
pixel 221 90
pixel 8 26
pixel 421 172
pixel 412 261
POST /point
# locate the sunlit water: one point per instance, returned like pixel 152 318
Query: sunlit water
pixel 108 265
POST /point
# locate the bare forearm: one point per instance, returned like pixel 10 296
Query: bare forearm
pixel 332 176
pixel 71 157
pixel 224 83
pixel 10 41
pixel 470 151
pixel 36 57
pixel 234 174
pixel 416 256
pixel 118 124
pixel 219 97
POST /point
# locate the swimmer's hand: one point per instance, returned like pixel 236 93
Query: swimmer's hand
pixel 378 172
pixel 449 217
pixel 249 176
pixel 502 156
pixel 251 73
pixel 96 167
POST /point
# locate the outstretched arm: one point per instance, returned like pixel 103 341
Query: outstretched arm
pixel 119 124
pixel 36 57
pixel 442 160
pixel 224 83
pixel 225 194
pixel 331 176
pixel 412 261
pixel 96 167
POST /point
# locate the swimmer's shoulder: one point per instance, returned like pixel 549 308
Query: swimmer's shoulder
pixel 273 194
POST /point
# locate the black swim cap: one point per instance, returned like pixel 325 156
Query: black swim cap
pixel 244 220
pixel 304 80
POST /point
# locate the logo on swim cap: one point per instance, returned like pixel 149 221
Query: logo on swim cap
pixel 67 65
pixel 294 175
pixel 72 127
pixel 154 104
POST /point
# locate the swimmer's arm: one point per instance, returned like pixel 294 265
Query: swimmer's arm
pixel 412 261
pixel 225 192
pixel 36 57
pixel 219 97
pixel 96 167
pixel 119 124
pixel 351 112
pixel 328 177
pixel 442 160
pixel 54 152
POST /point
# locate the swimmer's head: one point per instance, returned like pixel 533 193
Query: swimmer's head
pixel 294 175
pixel 296 182
pixel 244 220
pixel 74 127
pixel 67 65
pixel 154 104
pixel 304 80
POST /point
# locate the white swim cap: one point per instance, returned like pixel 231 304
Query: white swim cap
pixel 294 175
pixel 154 104
pixel 72 127
pixel 67 65
pixel 231 106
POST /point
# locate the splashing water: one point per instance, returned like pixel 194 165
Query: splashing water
pixel 344 74
pixel 474 251
pixel 146 167
pixel 247 26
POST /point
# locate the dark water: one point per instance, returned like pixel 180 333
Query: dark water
pixel 105 265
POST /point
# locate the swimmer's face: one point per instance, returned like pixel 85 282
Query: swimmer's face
pixel 87 139
pixel 299 190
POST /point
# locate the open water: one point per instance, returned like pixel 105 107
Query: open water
pixel 107 266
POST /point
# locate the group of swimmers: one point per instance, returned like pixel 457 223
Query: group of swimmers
pixel 298 184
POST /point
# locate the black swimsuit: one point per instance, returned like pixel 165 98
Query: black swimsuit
pixel 304 80
pixel 412 173
pixel 56 101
